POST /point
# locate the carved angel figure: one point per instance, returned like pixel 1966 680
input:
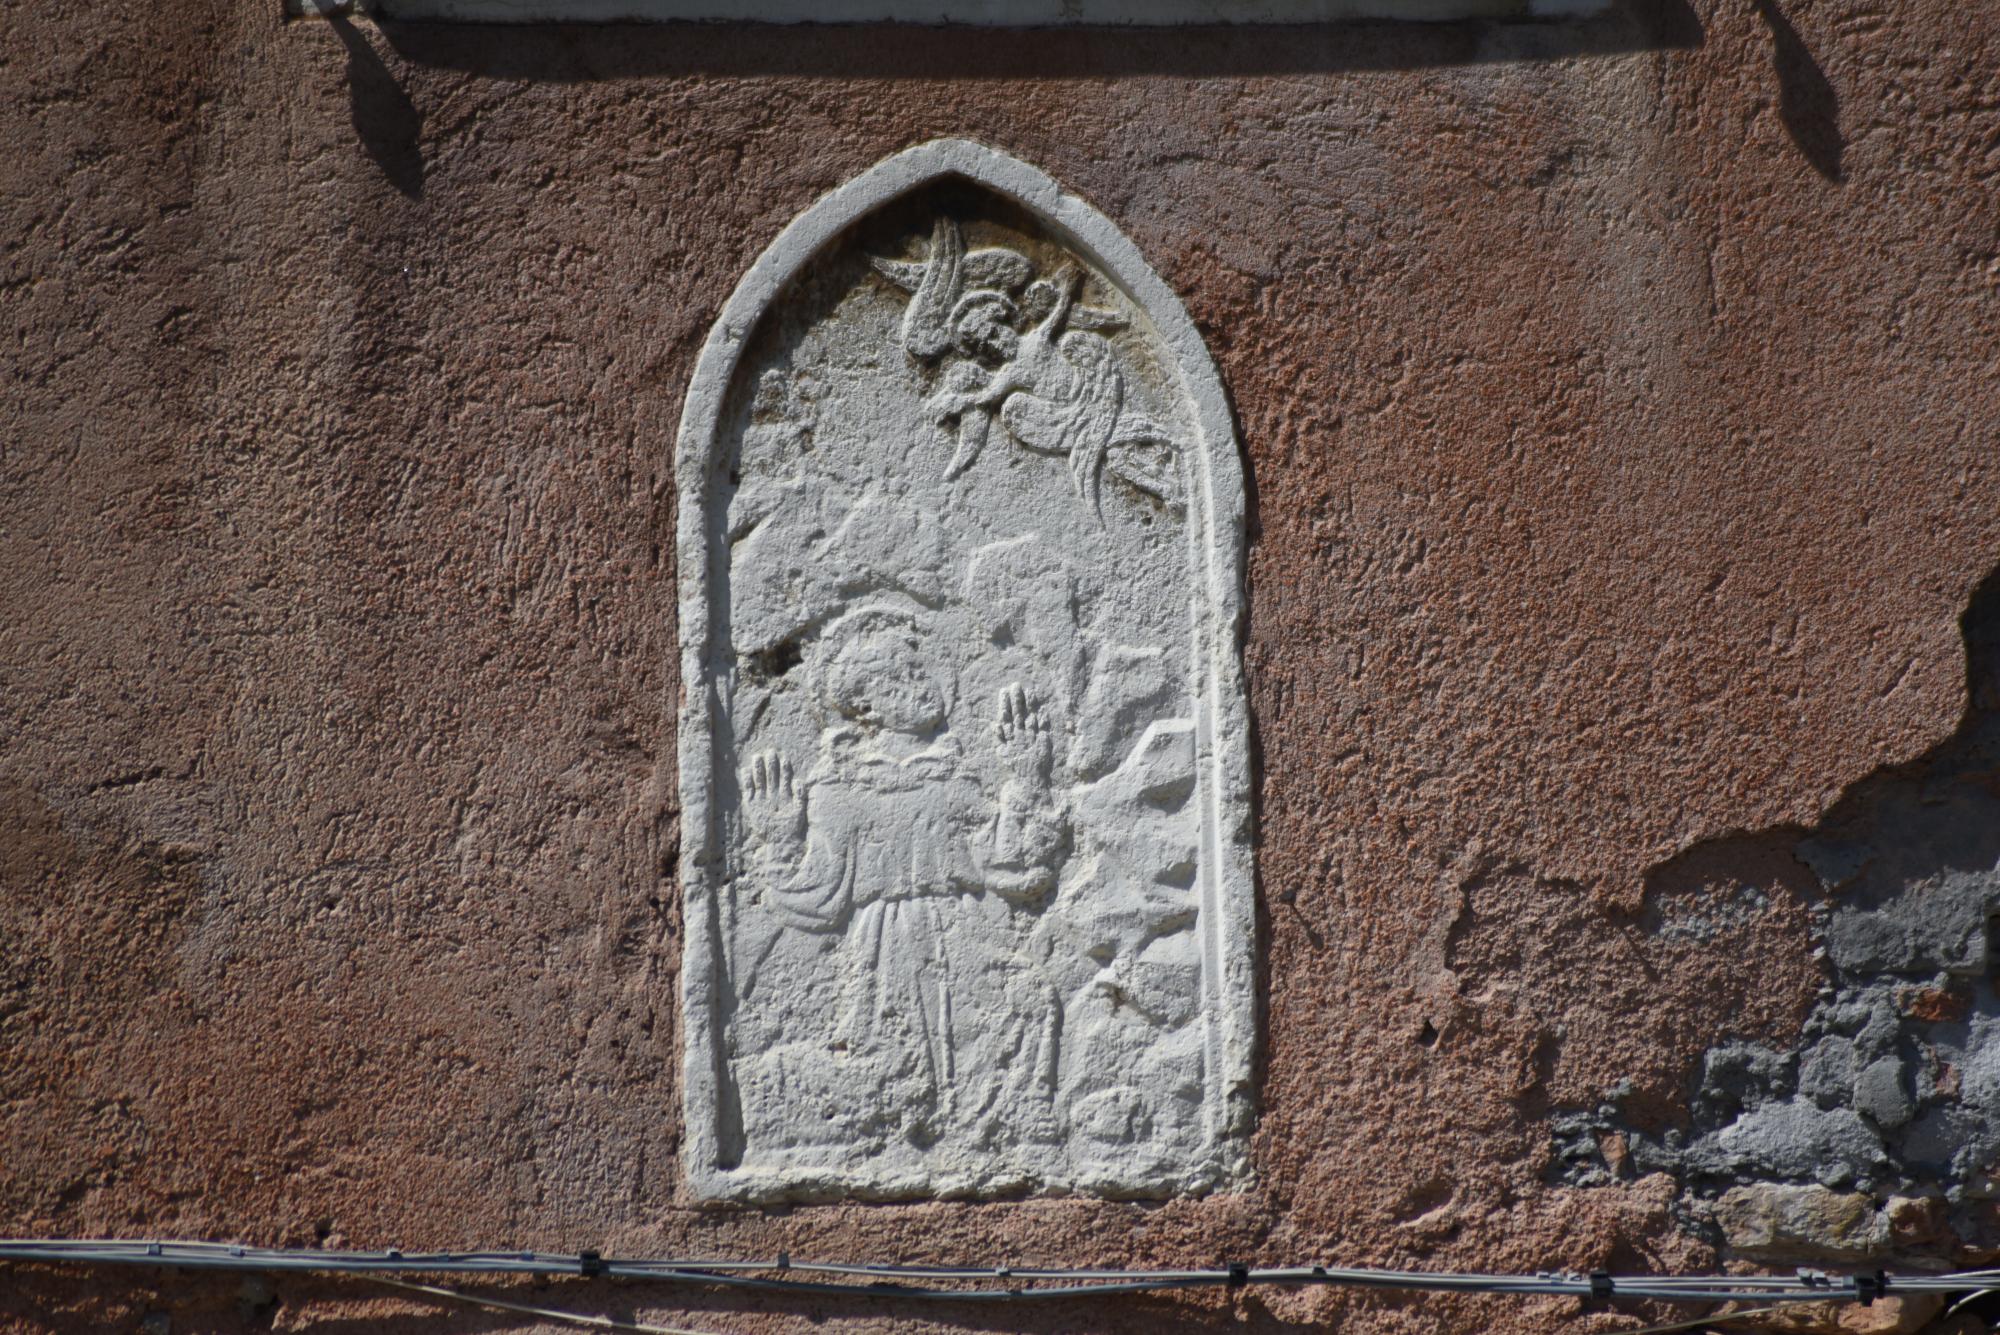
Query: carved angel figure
pixel 1055 385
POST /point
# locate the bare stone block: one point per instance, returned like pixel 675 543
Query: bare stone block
pixel 1800 1223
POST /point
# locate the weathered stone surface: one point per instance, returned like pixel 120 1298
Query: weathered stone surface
pixel 1891 1084
pixel 1881 1093
pixel 1618 406
pixel 1801 1224
pixel 1937 926
pixel 1916 1222
pixel 1935 1005
pixel 1885 1316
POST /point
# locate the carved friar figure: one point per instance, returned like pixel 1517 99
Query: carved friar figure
pixel 892 823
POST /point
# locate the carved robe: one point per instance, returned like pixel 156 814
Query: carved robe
pixel 886 846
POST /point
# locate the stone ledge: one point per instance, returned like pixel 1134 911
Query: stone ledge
pixel 956 13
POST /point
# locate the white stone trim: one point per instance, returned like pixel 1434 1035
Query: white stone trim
pixel 970 13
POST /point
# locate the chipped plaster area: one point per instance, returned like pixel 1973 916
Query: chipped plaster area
pixel 1891 1090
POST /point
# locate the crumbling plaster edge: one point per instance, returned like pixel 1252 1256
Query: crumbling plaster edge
pixel 1803 809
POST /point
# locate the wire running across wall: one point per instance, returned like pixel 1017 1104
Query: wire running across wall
pixel 1007 1284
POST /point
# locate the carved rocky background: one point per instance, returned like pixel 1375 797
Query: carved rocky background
pixel 1619 401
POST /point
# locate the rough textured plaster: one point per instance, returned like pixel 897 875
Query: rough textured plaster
pixel 1620 405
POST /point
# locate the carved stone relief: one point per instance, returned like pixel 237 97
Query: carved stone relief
pixel 967 863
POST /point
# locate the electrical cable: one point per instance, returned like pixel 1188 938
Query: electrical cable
pixel 918 1282
pixel 1968 1300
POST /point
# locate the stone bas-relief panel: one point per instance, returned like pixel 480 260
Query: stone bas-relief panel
pixel 963 858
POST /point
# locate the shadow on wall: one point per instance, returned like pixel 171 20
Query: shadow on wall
pixel 570 53
pixel 1878 1134
pixel 387 122
pixel 390 126
pixel 1806 101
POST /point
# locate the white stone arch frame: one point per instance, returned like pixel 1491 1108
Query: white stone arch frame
pixel 1216 536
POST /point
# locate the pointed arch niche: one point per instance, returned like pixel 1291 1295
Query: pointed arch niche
pixel 966 855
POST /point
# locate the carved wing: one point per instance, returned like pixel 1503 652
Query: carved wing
pixel 927 321
pixel 1096 413
pixel 906 274
pixel 1095 320
pixel 998 267
pixel 1144 454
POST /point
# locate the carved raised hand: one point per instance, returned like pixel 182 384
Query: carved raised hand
pixel 1021 733
pixel 774 807
pixel 1028 836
